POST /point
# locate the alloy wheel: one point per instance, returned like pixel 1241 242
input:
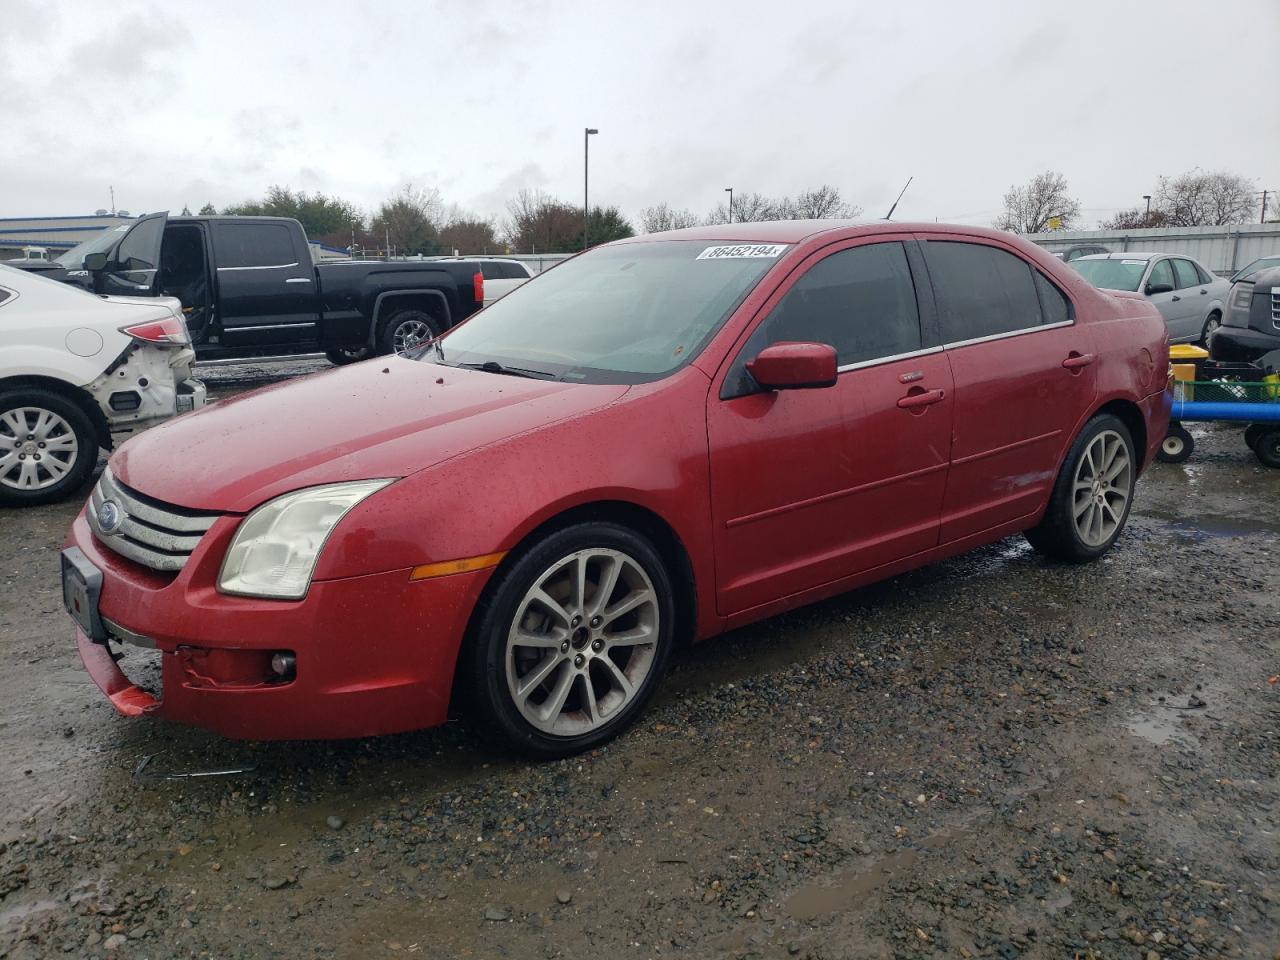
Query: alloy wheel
pixel 409 334
pixel 1101 489
pixel 37 448
pixel 582 642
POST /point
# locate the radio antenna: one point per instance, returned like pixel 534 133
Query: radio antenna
pixel 889 215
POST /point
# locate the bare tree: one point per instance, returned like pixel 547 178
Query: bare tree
pixel 661 217
pixel 823 204
pixel 1199 198
pixel 1136 218
pixel 410 220
pixel 1030 208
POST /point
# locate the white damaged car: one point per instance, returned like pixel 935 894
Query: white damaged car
pixel 80 372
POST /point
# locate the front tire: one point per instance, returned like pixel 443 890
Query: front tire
pixel 340 356
pixel 48 447
pixel 406 329
pixel 1093 493
pixel 1211 324
pixel 573 639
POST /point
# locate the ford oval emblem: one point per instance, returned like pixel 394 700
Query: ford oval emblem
pixel 110 516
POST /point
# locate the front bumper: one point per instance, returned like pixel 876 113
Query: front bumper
pixel 375 654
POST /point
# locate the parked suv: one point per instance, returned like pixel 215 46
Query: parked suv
pixel 660 439
pixel 1251 328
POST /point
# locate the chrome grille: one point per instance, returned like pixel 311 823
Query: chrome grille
pixel 1275 308
pixel 146 531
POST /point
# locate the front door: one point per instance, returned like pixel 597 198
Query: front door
pixel 812 486
pixel 266 286
pixel 1024 377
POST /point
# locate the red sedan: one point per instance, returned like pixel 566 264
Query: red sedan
pixel 656 441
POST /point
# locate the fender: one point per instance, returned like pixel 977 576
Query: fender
pixel 377 308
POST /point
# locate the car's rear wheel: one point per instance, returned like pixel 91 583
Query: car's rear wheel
pixel 1090 501
pixel 406 329
pixel 573 639
pixel 1211 324
pixel 344 355
pixel 48 447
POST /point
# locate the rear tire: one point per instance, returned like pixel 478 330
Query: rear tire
pixel 1211 324
pixel 48 447
pixel 1267 447
pixel 339 356
pixel 406 329
pixel 555 666
pixel 1091 498
pixel 1177 445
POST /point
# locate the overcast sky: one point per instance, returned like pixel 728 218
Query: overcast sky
pixel 190 102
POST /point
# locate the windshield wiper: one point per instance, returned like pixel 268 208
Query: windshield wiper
pixel 493 366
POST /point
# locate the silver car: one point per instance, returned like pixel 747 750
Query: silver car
pixel 1190 298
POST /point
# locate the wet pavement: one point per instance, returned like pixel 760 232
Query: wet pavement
pixel 990 757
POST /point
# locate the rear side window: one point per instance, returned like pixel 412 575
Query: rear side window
pixel 4 294
pixel 254 245
pixel 860 300
pixel 1054 305
pixel 1204 274
pixel 981 291
pixel 1185 271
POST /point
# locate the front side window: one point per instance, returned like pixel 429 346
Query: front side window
pixel 629 313
pixel 254 245
pixel 138 250
pixel 982 291
pixel 1161 275
pixel 860 301
pixel 1185 272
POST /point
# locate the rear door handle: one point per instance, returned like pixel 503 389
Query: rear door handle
pixel 1176 298
pixel 1077 360
pixel 922 399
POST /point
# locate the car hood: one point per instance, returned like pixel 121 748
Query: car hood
pixel 387 417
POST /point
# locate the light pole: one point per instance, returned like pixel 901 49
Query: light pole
pixel 729 191
pixel 586 156
pixel 1147 197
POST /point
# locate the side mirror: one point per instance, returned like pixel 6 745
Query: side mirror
pixel 794 366
pixel 95 261
pixel 1153 288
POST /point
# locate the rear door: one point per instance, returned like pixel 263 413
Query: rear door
pixel 134 262
pixel 1024 376
pixel 266 288
pixel 811 486
pixel 1193 294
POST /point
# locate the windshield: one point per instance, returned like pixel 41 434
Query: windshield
pixel 73 259
pixel 619 314
pixel 1111 274
pixel 1263 263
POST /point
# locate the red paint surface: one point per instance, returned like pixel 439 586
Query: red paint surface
pixel 778 499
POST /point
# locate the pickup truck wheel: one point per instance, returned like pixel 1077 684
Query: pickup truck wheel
pixel 406 329
pixel 340 355
pixel 48 447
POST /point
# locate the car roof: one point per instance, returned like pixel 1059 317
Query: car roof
pixel 797 231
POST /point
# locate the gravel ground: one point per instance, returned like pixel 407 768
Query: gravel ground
pixel 990 757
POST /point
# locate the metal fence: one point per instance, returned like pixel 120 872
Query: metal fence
pixel 1223 250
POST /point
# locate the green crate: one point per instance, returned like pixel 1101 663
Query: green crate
pixel 1226 391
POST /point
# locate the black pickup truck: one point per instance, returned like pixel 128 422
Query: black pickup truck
pixel 250 288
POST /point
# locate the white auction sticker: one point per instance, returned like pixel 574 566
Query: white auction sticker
pixel 1132 263
pixel 739 251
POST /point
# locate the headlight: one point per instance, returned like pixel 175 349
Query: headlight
pixel 1241 298
pixel 274 552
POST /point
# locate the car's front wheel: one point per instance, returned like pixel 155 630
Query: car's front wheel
pixel 48 447
pixel 573 639
pixel 1092 494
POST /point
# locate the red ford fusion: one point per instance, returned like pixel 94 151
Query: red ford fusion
pixel 658 440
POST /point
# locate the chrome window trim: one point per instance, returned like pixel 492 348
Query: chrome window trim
pixel 272 326
pixel 875 362
pixel 273 266
pixel 1011 333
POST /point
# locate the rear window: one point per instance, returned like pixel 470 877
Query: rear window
pixel 982 291
pixel 254 245
pixel 499 270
